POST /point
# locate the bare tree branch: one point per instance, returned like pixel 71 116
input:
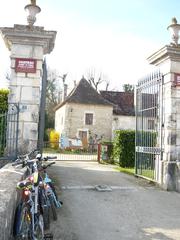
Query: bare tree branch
pixel 95 79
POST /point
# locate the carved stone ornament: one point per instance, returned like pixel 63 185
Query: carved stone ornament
pixel 33 10
pixel 33 2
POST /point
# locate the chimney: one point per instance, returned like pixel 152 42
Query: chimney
pixel 74 83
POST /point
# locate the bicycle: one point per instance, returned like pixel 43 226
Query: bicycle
pixel 30 224
pixel 51 192
pixel 32 211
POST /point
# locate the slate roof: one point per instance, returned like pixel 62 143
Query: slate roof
pixel 84 93
pixel 123 102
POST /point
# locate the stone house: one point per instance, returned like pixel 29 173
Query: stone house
pixel 123 109
pixel 84 114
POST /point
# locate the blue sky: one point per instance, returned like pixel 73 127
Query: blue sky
pixel 114 37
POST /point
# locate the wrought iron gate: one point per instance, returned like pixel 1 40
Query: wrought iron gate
pixel 149 119
pixel 9 132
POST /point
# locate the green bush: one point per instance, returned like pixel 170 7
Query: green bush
pixel 4 100
pixel 3 120
pixel 146 138
pixel 124 148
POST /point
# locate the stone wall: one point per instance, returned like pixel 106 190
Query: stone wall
pixel 59 119
pixel 74 120
pixel 123 122
pixel 171 176
pixel 9 176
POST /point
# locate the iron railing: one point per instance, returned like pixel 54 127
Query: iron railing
pixel 149 119
pixel 9 132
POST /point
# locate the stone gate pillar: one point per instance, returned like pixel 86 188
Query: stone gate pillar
pixel 27 45
pixel 168 60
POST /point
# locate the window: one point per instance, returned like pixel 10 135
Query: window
pixel 89 118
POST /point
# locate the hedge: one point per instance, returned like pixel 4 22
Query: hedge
pixel 3 108
pixel 3 100
pixel 124 148
pixel 146 138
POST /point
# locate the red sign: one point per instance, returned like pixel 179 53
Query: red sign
pixel 177 79
pixel 25 65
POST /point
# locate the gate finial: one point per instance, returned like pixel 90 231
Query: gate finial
pixel 33 2
pixel 33 9
pixel 174 20
pixel 174 29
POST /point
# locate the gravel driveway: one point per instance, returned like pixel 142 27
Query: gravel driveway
pixel 103 204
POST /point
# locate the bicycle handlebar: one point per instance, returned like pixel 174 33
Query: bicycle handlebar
pixel 18 162
pixel 43 167
pixel 48 165
pixel 28 154
pixel 23 162
pixel 26 161
pixel 49 158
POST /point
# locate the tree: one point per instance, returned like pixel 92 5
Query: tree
pixel 97 80
pixel 3 120
pixel 128 88
pixel 53 89
pixel 63 77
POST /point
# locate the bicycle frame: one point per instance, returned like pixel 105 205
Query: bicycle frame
pixel 49 190
pixel 30 196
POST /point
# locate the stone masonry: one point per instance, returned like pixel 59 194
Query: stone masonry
pixel 168 60
pixel 27 42
pixel 75 114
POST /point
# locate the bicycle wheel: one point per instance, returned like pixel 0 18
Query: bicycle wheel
pixel 57 202
pixel 53 208
pixel 39 229
pixel 53 189
pixel 46 218
pixel 23 223
pixel 44 209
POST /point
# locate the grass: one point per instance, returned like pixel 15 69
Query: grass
pixel 148 173
pixel 130 171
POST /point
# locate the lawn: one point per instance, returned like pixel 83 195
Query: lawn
pixel 130 171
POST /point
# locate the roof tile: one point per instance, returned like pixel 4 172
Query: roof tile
pixel 123 102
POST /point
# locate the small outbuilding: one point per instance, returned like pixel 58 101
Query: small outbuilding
pixel 84 114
